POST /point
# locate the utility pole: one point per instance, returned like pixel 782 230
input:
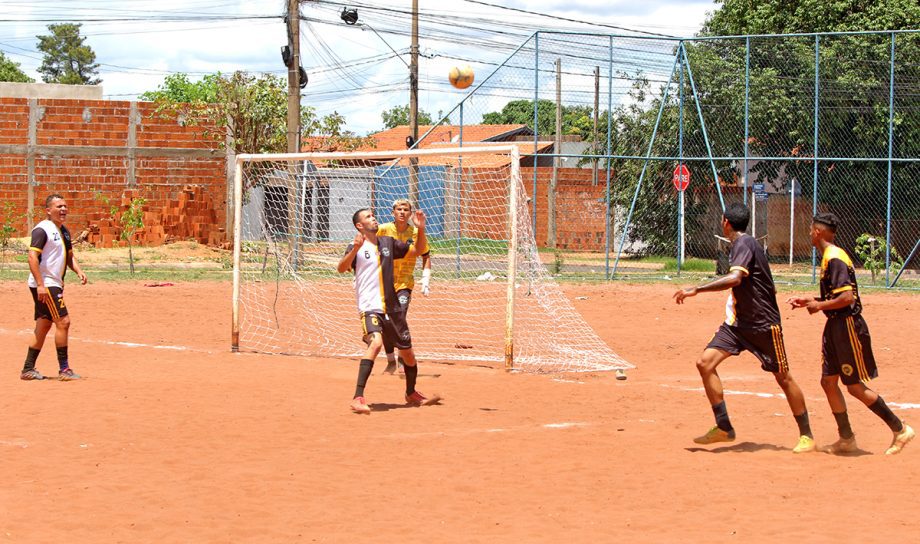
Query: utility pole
pixel 293 106
pixel 413 105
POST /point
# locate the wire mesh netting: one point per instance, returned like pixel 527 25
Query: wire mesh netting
pixel 297 222
pixel 790 125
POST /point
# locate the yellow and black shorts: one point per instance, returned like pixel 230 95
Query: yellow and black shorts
pixel 847 350
pixel 52 311
pixel 766 344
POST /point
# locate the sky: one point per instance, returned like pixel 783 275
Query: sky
pixel 352 70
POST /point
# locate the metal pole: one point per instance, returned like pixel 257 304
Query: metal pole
pixel 680 163
pixel 609 230
pixel 536 129
pixel 512 256
pixel 890 153
pixel 791 217
pixel 747 121
pixel 699 112
pixel 554 181
pixel 460 194
pixel 413 105
pixel 237 245
pixel 648 154
pixel 814 188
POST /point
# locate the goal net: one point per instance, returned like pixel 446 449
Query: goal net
pixel 491 299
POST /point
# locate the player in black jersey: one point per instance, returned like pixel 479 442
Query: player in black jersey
pixel 846 346
pixel 752 323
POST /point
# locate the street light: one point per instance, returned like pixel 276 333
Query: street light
pixel 350 18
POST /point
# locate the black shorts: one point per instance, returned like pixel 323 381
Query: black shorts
pixel 766 344
pixel 403 297
pixel 847 350
pixel 53 311
pixel 392 327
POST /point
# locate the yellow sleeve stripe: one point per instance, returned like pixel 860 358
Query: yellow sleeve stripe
pixel 35 249
pixel 842 289
pixel 741 268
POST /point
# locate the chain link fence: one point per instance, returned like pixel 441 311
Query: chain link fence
pixel 788 124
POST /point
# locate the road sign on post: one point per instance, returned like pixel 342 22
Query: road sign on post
pixel 681 177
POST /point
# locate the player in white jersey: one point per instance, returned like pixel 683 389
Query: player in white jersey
pixel 50 254
pixel 371 258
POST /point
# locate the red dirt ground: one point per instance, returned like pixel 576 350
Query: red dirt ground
pixel 171 438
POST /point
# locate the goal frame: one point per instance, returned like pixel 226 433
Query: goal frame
pixel 512 150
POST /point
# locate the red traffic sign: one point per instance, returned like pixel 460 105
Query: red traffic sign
pixel 681 177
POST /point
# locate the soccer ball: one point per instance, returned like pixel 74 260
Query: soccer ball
pixel 461 77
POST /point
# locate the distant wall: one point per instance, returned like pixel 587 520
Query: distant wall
pixel 87 150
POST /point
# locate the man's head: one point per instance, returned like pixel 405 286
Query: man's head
pixel 736 216
pixel 364 220
pixel 56 208
pixel 402 209
pixel 823 228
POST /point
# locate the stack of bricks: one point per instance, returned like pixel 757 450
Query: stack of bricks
pixel 190 216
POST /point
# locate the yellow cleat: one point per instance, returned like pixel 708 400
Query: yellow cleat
pixel 842 446
pixel 900 440
pixel 714 435
pixel 805 445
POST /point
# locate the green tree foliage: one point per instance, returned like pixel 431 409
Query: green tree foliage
pixel 249 111
pixel 854 85
pixel 128 220
pixel 854 91
pixel 10 71
pixel 575 119
pixel 399 115
pixel 66 58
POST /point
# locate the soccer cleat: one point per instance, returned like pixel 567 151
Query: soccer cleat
pixel 805 445
pixel 359 406
pixel 900 440
pixel 67 375
pixel 842 446
pixel 714 435
pixel 391 368
pixel 31 375
pixel 418 399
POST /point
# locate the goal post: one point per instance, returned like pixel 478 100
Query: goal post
pixel 492 300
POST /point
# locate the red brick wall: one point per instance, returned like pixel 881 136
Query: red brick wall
pixel 168 166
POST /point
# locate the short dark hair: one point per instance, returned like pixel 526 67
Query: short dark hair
pixel 737 215
pixel 354 218
pixel 827 219
pixel 51 198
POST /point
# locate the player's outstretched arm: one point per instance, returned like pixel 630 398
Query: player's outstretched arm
pixel 727 281
pixel 421 241
pixel 349 257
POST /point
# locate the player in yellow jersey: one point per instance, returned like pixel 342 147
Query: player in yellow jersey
pixel 403 269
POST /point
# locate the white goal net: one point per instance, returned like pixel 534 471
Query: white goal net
pixel 491 299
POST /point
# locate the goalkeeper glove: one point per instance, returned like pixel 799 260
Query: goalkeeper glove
pixel 426 280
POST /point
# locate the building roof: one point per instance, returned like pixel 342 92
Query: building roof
pixel 395 138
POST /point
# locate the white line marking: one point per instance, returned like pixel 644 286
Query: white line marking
pixel 901 405
pixel 467 432
pixel 117 343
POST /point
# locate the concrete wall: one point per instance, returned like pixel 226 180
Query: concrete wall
pixel 50 90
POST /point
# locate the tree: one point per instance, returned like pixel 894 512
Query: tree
pixel 67 59
pixel 575 119
pixel 251 110
pixel 399 115
pixel 10 71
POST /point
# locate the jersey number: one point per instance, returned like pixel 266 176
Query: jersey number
pixel 367 254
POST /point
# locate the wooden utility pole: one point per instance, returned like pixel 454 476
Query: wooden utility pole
pixel 413 104
pixel 597 104
pixel 551 194
pixel 293 106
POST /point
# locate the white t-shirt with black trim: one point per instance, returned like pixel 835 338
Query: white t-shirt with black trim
pixel 52 245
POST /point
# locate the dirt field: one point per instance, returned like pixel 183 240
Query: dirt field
pixel 171 438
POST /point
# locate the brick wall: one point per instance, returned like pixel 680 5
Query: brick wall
pixel 92 150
